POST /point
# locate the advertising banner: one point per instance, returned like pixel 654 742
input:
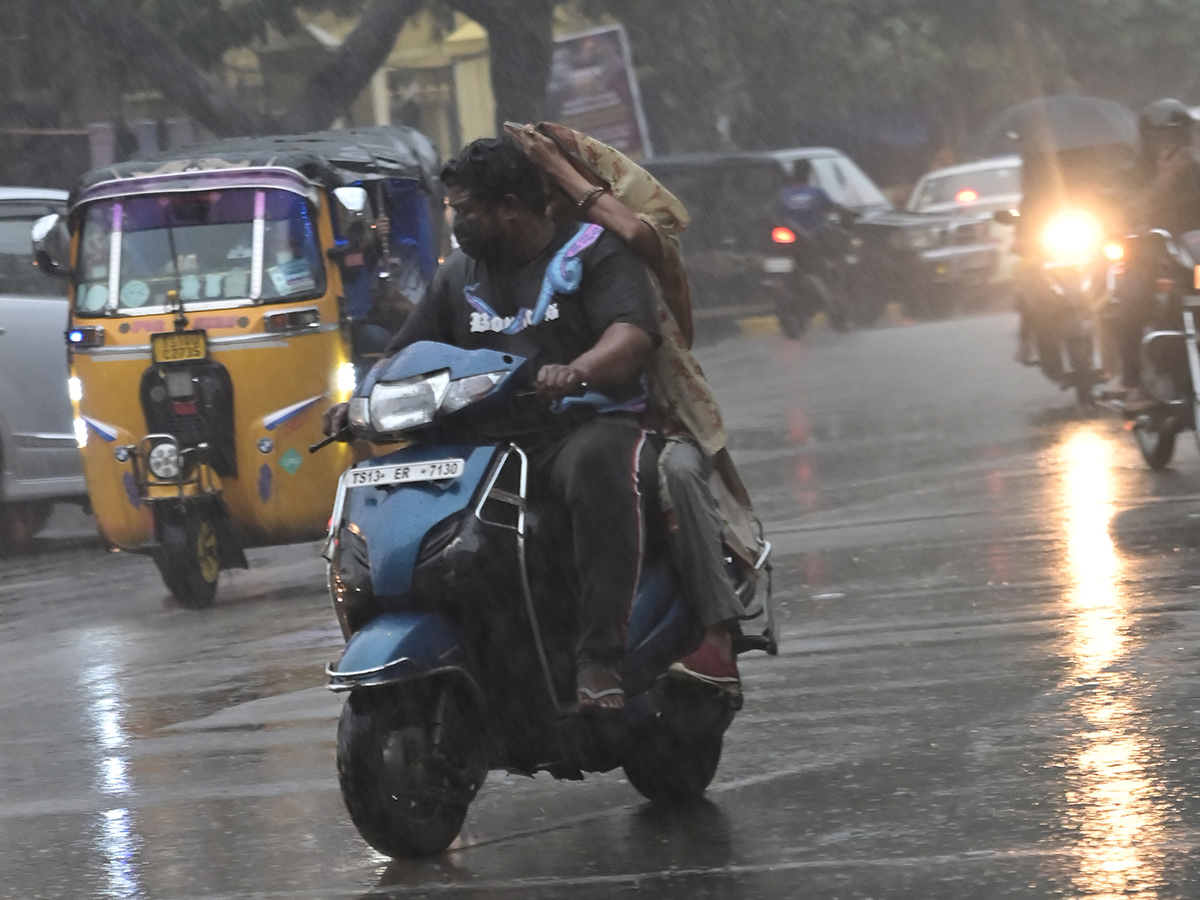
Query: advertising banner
pixel 593 89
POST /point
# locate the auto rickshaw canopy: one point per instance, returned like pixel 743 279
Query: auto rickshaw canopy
pixel 328 158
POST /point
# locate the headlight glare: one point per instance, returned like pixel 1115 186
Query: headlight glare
pixel 407 404
pixel 1072 237
pixel 347 378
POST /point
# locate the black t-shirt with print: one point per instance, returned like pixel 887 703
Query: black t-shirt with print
pixel 474 305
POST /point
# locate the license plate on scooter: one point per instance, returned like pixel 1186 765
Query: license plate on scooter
pixel 406 473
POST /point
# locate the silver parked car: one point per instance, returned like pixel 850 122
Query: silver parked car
pixel 983 186
pixel 39 460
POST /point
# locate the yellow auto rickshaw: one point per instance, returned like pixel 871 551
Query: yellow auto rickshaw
pixel 222 297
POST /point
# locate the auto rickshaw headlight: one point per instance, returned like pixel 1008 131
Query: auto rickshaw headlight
pixel 406 404
pixel 164 462
pixel 347 378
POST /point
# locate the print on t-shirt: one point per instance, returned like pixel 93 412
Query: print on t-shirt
pixel 563 276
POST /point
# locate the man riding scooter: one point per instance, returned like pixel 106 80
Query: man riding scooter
pixel 1062 237
pixel 1169 199
pixel 499 292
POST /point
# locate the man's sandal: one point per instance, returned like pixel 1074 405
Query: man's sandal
pixel 592 693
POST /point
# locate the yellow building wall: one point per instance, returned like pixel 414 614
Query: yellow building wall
pixel 450 70
pixel 473 93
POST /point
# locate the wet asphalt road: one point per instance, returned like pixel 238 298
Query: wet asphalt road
pixel 987 685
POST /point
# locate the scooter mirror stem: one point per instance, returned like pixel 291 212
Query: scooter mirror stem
pixel 343 435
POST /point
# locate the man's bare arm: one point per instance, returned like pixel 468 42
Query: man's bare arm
pixel 619 356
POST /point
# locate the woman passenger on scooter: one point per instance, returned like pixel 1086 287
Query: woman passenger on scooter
pixel 626 200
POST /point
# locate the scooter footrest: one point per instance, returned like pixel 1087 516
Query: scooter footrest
pixel 746 642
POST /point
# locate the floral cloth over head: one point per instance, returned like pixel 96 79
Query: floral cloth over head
pixel 680 395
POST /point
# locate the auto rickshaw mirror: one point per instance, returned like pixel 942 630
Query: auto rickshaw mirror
pixel 52 246
pixel 353 202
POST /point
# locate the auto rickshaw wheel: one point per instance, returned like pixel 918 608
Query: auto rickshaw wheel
pixel 189 560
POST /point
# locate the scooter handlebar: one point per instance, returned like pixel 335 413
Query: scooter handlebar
pixel 344 435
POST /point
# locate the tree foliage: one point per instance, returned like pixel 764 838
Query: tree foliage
pixel 113 47
pixel 733 73
pixel 770 68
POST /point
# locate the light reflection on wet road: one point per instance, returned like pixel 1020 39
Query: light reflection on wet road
pixel 988 685
pixel 1112 798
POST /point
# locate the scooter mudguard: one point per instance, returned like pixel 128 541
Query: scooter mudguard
pixel 398 646
pixel 398 518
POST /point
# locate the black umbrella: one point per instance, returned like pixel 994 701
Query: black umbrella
pixel 1055 124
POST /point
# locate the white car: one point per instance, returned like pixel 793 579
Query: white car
pixel 39 460
pixel 983 186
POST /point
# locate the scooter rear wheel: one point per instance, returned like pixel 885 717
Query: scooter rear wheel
pixel 795 310
pixel 672 758
pixel 407 790
pixel 669 770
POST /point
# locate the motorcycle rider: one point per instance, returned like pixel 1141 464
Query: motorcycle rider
pixel 805 206
pixel 578 303
pixel 1169 199
pixel 683 409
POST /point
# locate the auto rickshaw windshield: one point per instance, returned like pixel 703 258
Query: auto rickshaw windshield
pixel 218 248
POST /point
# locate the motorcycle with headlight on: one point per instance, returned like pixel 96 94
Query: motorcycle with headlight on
pixel 1064 282
pixel 454 593
pixel 1170 351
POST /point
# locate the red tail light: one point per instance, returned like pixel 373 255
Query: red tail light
pixel 966 195
pixel 783 235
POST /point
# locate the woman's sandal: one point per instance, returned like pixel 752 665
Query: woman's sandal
pixel 599 689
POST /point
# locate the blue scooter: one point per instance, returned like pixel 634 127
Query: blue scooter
pixel 456 600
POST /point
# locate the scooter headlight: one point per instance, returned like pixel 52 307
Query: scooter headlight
pixel 164 461
pixel 1073 237
pixel 401 405
pixel 465 391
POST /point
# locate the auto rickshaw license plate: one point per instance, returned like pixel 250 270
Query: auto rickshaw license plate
pixel 379 476
pixel 178 346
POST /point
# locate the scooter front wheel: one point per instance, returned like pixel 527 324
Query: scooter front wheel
pixel 409 762
pixel 1079 352
pixel 1156 440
